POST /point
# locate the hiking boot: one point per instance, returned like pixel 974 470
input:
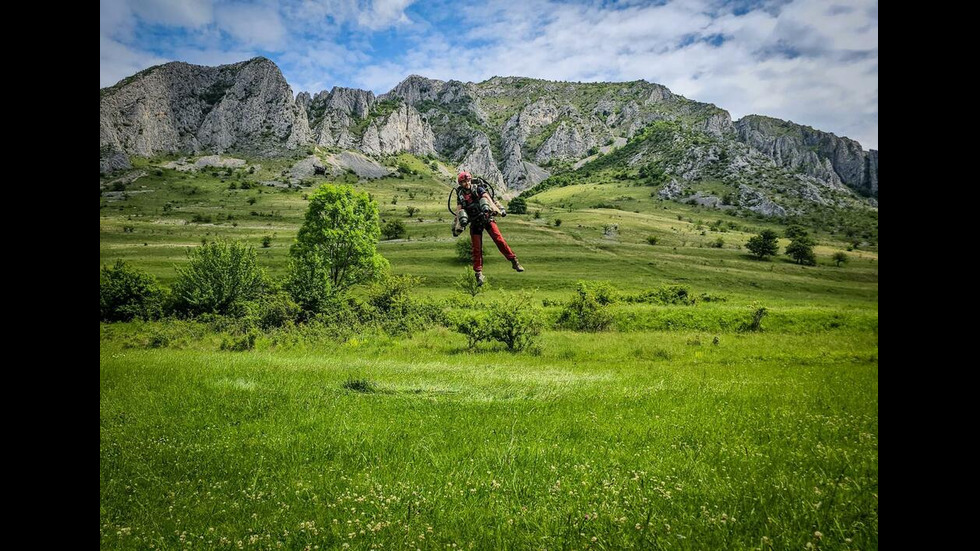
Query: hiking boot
pixel 516 265
pixel 480 280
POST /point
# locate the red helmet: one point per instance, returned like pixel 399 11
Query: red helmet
pixel 463 176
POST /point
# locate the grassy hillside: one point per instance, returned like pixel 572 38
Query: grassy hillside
pixel 675 429
pixel 602 234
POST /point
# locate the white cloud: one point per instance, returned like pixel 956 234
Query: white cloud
pixel 178 13
pixel 117 61
pixel 252 25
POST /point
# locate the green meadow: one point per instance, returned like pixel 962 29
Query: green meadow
pixel 676 428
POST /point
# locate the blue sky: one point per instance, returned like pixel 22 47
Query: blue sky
pixel 814 62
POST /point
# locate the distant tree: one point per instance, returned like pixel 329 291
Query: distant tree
pixel 801 250
pixel 394 229
pixel 795 230
pixel 411 211
pixel 763 245
pixel 517 205
pixel 840 257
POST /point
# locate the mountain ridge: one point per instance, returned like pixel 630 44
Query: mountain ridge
pixel 515 131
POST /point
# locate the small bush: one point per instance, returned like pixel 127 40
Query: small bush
pixel 126 293
pixel 666 295
pixel 511 319
pixel 266 241
pixel 466 284
pixel 514 321
pixel 394 229
pixel 464 249
pixel 587 310
pixel 240 343
pixel 653 239
pixel 276 310
pixel 219 279
pixel 517 205
pixel 473 325
pixel 756 323
pixel 718 243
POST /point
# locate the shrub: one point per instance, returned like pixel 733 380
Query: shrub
pixel 587 310
pixel 557 222
pixel 276 310
pixel 718 243
pixel 840 257
pixel 464 249
pixel 219 279
pixel 239 343
pixel 394 229
pixel 473 325
pixel 652 239
pixel 266 241
pixel 126 293
pixel 756 323
pixel 411 211
pixel 514 321
pixel 517 205
pixel 466 283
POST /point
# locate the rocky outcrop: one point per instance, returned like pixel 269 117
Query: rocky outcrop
pixel 405 130
pixel 824 156
pixel 479 161
pixel 178 107
pixel 671 190
pixel 756 201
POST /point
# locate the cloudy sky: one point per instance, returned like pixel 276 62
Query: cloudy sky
pixel 814 62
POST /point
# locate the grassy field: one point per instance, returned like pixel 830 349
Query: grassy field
pixel 673 430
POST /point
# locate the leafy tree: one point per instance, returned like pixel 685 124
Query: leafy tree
pixel 801 250
pixel 794 231
pixel 840 257
pixel 517 205
pixel 338 239
pixel 393 229
pixel 763 245
pixel 126 293
pixel 219 279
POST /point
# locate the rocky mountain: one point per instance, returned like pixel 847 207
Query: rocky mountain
pixel 517 132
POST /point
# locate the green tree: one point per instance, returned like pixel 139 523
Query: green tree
pixel 126 293
pixel 393 229
pixel 801 250
pixel 763 245
pixel 219 279
pixel 517 205
pixel 795 230
pixel 840 257
pixel 338 240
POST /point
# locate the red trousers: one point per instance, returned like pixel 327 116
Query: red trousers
pixel 476 235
